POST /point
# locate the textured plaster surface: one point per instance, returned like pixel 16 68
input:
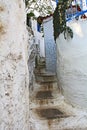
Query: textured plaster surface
pixel 71 64
pixel 14 104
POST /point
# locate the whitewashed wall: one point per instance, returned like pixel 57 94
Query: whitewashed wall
pixel 38 38
pixel 14 94
pixel 84 4
pixel 72 64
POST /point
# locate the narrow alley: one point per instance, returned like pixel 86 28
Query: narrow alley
pixel 48 111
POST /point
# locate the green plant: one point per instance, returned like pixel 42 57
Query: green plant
pixel 59 20
pixel 68 33
pixel 31 14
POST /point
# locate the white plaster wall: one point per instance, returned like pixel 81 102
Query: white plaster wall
pixel 14 94
pixel 84 4
pixel 39 39
pixel 31 60
pixel 72 64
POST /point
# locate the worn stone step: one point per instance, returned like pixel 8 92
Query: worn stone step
pixel 45 98
pixel 46 75
pixel 51 118
pixel 55 119
pixel 44 95
pixel 48 86
pixel 42 71
pixel 50 113
pixel 45 79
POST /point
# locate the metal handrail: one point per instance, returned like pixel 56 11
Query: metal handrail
pixel 76 15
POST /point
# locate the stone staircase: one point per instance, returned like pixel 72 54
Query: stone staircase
pixel 47 108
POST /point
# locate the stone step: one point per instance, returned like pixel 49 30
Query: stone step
pixel 46 79
pixel 45 98
pixel 44 95
pixel 48 86
pixel 53 118
pixel 46 74
pixel 58 124
pixel 50 113
pixel 50 118
pixel 38 71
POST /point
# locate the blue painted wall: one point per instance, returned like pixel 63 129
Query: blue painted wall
pixel 50 47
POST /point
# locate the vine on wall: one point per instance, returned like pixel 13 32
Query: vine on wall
pixel 59 20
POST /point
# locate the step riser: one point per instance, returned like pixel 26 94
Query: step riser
pixel 49 86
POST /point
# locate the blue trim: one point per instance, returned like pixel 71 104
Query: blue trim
pixel 38 27
pixel 81 6
pixel 56 2
pixel 76 15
